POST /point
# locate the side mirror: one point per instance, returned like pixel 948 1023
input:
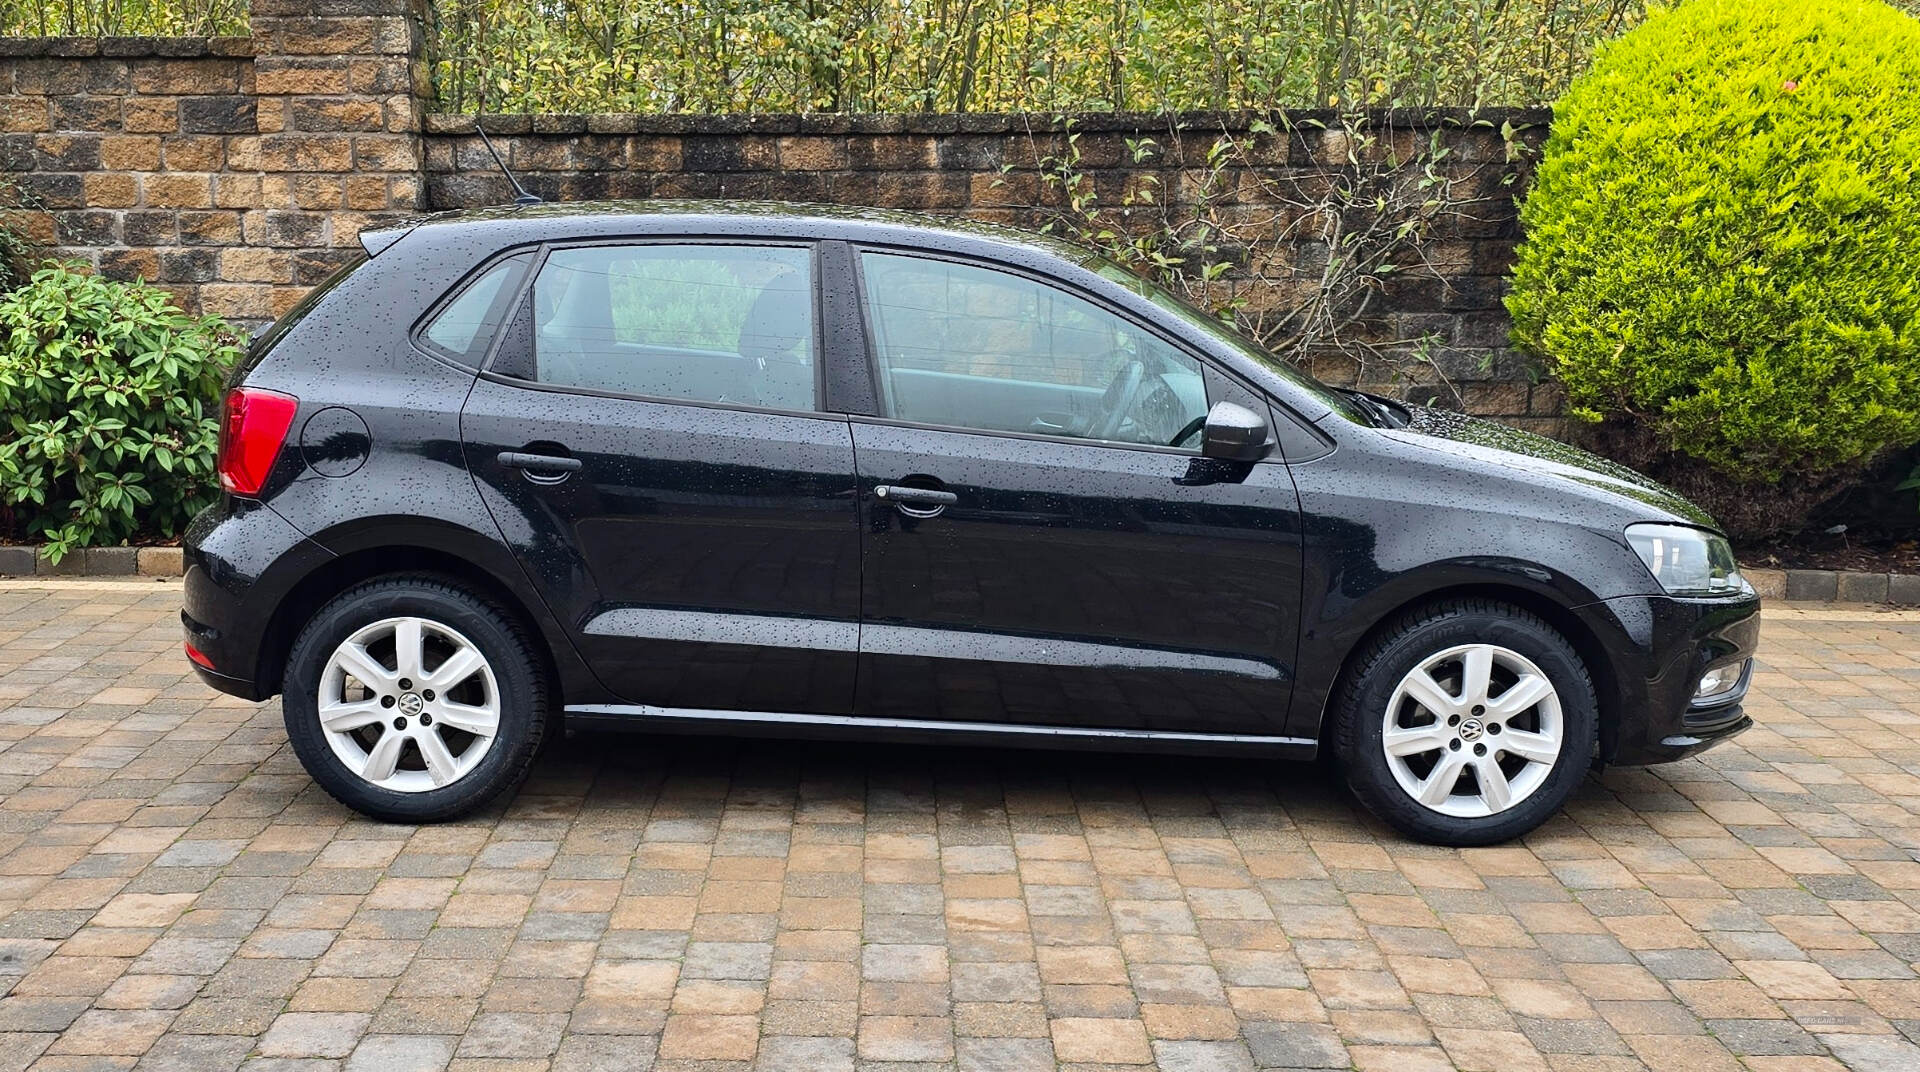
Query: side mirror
pixel 1234 433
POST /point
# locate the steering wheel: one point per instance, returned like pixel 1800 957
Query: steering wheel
pixel 1187 430
pixel 1120 396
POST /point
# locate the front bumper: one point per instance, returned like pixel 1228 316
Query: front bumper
pixel 1657 648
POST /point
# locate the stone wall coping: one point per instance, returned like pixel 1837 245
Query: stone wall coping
pixel 125 47
pixel 972 122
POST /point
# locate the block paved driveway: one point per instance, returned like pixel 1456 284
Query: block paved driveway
pixel 176 894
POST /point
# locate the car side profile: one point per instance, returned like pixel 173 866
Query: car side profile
pixel 807 471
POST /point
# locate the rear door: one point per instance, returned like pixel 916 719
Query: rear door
pixel 649 439
pixel 1044 543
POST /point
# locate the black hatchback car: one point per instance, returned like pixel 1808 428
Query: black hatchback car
pixel 805 471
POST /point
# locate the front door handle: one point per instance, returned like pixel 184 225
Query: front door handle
pixel 900 494
pixel 539 463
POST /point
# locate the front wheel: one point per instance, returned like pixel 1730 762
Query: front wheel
pixel 412 700
pixel 1466 723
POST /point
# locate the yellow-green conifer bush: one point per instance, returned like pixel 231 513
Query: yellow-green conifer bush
pixel 1722 248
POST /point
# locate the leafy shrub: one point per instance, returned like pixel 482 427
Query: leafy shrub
pixel 1722 253
pixel 111 397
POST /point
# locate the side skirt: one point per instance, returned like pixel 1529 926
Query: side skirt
pixel 843 727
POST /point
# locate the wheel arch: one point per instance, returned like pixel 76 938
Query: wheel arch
pixel 330 578
pixel 1561 617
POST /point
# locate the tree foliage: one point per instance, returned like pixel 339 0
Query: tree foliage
pixel 732 56
pixel 123 18
pixel 111 401
pixel 1723 238
pixel 1009 55
pixel 729 56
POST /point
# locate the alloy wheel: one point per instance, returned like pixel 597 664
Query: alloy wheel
pixel 1473 730
pixel 409 704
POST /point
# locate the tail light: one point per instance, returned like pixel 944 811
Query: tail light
pixel 255 426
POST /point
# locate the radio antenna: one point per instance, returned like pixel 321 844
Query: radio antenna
pixel 520 194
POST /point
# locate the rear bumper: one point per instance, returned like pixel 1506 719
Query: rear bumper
pixel 1659 646
pixel 245 688
pixel 240 559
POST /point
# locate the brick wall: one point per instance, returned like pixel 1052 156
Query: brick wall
pixel 235 172
pixel 988 167
pixel 238 172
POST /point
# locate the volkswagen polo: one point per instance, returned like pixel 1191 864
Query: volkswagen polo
pixel 750 468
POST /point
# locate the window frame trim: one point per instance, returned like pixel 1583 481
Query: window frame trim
pixel 880 401
pixel 808 245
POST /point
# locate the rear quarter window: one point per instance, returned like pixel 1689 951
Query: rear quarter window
pixel 463 326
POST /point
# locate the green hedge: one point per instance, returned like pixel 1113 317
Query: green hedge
pixel 1722 246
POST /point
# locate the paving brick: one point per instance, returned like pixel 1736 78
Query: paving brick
pixel 16 561
pixel 1819 586
pixel 312 1034
pixel 401 1053
pixel 1100 1040
pixel 72 564
pixel 905 1038
pixel 1903 588
pixel 110 561
pixel 787 1053
pixel 159 562
pixel 1852 586
pixel 516 1035
pixel 1757 906
pixel 1296 1046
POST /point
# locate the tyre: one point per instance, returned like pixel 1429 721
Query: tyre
pixel 1466 722
pixel 413 700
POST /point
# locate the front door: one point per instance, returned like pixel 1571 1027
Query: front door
pixel 1042 543
pixel 648 441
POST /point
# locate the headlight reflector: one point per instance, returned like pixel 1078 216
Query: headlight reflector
pixel 1687 561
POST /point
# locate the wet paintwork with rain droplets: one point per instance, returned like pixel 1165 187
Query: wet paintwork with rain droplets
pixel 728 558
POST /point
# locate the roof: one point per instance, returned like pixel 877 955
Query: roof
pixel 587 219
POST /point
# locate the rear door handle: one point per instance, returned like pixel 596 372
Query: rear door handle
pixel 898 493
pixel 539 463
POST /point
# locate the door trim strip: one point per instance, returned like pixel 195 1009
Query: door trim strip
pixel 720 627
pixel 907 641
pixel 965 644
pixel 931 726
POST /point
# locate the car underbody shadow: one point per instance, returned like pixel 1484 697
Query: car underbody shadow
pixel 1255 792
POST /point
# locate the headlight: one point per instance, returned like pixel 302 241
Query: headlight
pixel 1687 562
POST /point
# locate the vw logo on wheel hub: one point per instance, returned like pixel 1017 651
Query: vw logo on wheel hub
pixel 1471 729
pixel 410 704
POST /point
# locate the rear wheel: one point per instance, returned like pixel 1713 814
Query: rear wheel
pixel 1466 723
pixel 411 699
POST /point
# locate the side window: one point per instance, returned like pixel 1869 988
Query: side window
pixel 972 347
pixel 705 323
pixel 464 328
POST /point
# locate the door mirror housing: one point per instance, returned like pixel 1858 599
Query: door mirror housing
pixel 1234 433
